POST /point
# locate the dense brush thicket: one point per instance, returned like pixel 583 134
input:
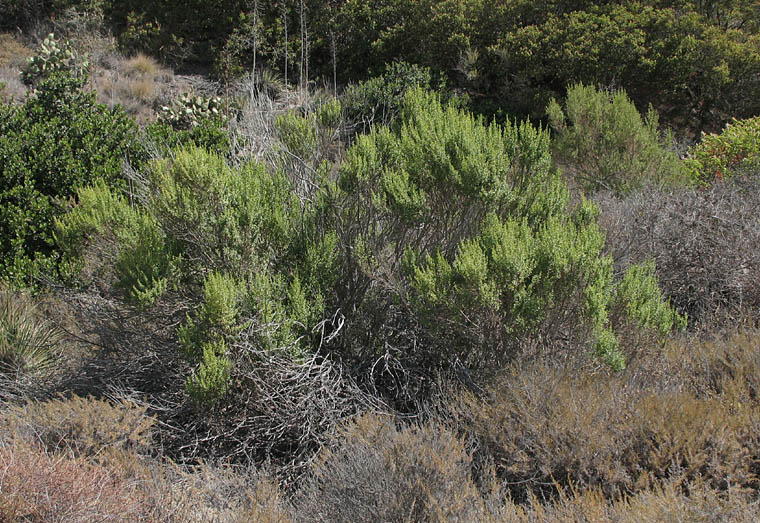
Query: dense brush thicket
pixel 243 301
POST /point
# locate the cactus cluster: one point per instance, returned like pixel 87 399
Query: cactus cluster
pixel 54 57
pixel 188 110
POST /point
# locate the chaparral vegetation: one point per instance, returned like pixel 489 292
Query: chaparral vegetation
pixel 379 260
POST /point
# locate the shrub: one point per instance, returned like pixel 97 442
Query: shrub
pixel 735 151
pixel 142 257
pixel 209 134
pixel 82 427
pixel 652 52
pixel 38 486
pixel 467 228
pixel 549 429
pixel 59 140
pixel 377 101
pixel 704 244
pixel 55 58
pixel 377 472
pixel 604 143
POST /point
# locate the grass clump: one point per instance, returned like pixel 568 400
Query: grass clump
pixel 29 345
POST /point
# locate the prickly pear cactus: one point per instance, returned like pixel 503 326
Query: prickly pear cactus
pixel 189 110
pixel 55 57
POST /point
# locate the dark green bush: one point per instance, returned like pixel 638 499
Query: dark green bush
pixel 58 141
pixel 378 100
pixel 670 57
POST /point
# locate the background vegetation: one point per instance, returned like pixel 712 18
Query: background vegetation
pixel 379 260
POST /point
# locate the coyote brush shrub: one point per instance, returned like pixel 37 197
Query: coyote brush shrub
pixel 603 141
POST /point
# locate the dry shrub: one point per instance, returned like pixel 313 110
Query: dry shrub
pixel 280 411
pixel 546 429
pixel 705 244
pixel 379 472
pixel 39 486
pixel 212 493
pixel 85 427
pixel 727 367
pixel 667 502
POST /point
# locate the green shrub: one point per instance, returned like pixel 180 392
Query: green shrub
pixel 144 259
pixel 467 227
pixel 736 150
pixel 208 133
pixel 650 51
pixel 604 143
pixel 212 379
pixel 58 141
pixel 378 100
pixel 215 319
pixel 223 219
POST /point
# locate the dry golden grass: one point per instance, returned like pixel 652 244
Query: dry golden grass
pixel 140 65
pixel 143 90
pixel 135 84
pixel 13 53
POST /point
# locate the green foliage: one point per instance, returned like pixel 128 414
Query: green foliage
pixel 297 133
pixel 59 140
pixel 639 293
pixel 209 133
pixel 223 219
pixel 144 262
pixel 55 57
pixel 603 141
pixel 215 319
pixel 330 114
pixel 27 343
pixel 676 60
pixel 377 100
pixel 479 219
pixel 211 381
pixel 736 150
